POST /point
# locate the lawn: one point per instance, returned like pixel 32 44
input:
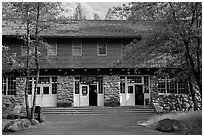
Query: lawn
pixel 191 121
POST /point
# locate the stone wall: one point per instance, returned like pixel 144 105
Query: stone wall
pixel 172 102
pixel 9 102
pixel 65 89
pixel 111 91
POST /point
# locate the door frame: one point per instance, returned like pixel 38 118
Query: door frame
pixel 95 84
pixel 84 99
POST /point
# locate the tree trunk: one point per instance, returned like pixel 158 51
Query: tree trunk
pixel 27 67
pixel 36 60
pixel 192 94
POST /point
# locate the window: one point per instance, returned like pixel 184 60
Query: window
pixel 76 85
pixel 122 84
pixel 76 47
pixel 52 49
pixel 9 86
pixel 45 90
pixel 100 83
pixel 146 84
pixel 4 86
pixel 24 50
pixel 130 89
pixel 166 85
pixel 44 80
pixel 54 85
pixel 102 48
pixel 162 86
pixel 30 86
pixel 134 79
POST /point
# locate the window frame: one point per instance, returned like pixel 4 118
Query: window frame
pixel 106 46
pixel 30 50
pixel 74 53
pixel 50 49
pixel 6 83
pixel 168 81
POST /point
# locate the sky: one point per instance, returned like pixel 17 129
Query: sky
pixel 90 8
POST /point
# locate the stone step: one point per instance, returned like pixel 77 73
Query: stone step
pixel 96 110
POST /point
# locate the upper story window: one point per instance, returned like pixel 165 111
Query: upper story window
pixel 9 86
pixel 24 50
pixel 77 47
pixel 52 49
pixel 102 48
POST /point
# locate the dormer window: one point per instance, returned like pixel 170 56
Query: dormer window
pixel 76 47
pixel 102 48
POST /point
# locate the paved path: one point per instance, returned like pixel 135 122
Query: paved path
pixel 123 124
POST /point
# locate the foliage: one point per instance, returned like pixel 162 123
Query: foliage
pixel 78 13
pixel 178 39
pixel 96 17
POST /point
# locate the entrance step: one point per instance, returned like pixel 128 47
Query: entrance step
pixel 97 110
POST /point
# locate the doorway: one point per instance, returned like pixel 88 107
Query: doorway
pixel 139 95
pixel 92 95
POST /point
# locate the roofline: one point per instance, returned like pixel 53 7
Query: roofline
pixel 44 36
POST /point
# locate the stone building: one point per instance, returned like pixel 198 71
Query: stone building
pixel 83 70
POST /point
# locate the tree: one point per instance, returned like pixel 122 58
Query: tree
pixel 32 18
pixel 119 13
pixel 78 13
pixel 178 37
pixel 96 17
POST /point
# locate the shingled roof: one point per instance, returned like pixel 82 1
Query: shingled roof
pixel 88 28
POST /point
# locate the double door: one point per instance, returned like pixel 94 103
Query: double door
pixel 133 95
pixel 44 96
pixel 88 95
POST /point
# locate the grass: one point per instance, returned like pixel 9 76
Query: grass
pixel 190 121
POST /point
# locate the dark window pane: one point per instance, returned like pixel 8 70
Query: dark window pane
pixel 76 87
pixel 130 89
pixel 38 90
pixel 45 90
pixel 54 85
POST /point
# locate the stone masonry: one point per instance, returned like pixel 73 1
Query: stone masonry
pixel 9 102
pixel 65 89
pixel 111 91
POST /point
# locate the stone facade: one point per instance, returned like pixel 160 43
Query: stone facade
pixel 172 102
pixel 65 88
pixel 111 91
pixel 9 102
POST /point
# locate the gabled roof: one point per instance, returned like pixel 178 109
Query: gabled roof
pixel 88 28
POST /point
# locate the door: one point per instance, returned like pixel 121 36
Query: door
pixel 46 96
pixel 92 95
pixel 130 95
pixel 84 95
pixel 139 96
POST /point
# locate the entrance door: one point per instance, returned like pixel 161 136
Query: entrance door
pixel 43 96
pixel 139 96
pixel 92 95
pixel 130 96
pixel 84 95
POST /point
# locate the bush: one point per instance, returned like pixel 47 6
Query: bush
pixel 112 102
pixel 64 104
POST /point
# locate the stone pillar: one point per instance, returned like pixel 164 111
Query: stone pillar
pixel 154 93
pixel 65 90
pixel 111 91
pixel 20 88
